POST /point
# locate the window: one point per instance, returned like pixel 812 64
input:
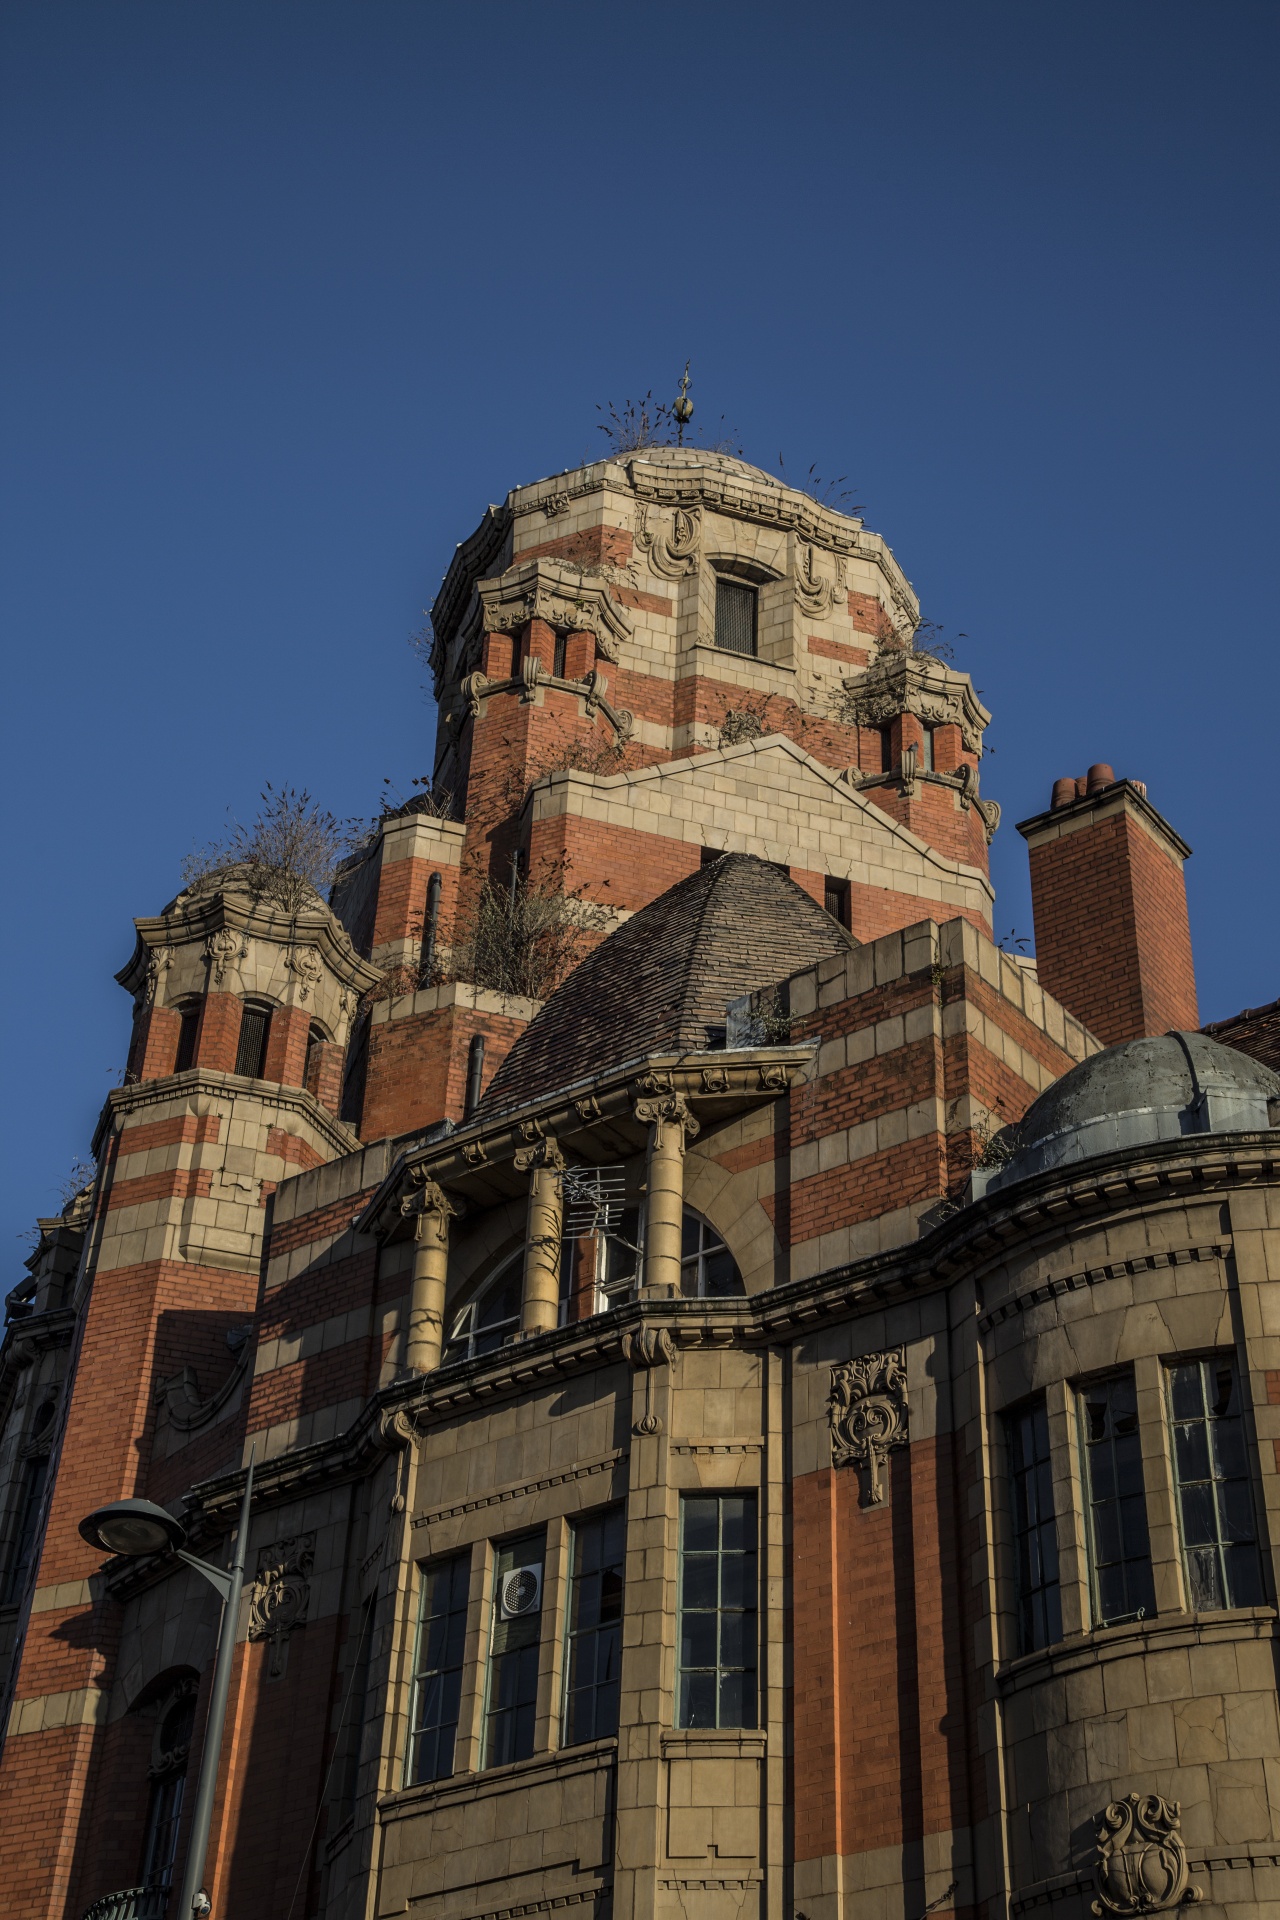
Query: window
pixel 251 1053
pixel 188 1033
pixel 513 1653
pixel 430 930
pixel 168 1783
pixel 1215 1502
pixel 735 616
pixel 475 1076
pixel 619 1257
pixel 887 763
pixel 836 900
pixel 22 1543
pixel 925 755
pixel 708 1270
pixel 1034 1534
pixel 491 1317
pixel 594 1652
pixel 316 1038
pixel 1119 1551
pixel 557 657
pixel 717 1627
pixel 437 1669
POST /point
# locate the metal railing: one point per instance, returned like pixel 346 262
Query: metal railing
pixel 135 1903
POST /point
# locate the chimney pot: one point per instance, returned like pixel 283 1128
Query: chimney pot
pixel 1064 792
pixel 1099 776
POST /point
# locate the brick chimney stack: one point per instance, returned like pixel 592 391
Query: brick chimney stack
pixel 1109 897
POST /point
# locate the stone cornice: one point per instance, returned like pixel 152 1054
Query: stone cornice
pixel 179 1087
pixel 241 913
pixel 913 683
pixel 478 1160
pixel 472 557
pixel 1121 796
pixel 562 595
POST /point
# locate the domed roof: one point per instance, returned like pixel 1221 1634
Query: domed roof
pixel 1157 1088
pixel 663 981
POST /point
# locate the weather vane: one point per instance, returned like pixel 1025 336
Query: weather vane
pixel 683 408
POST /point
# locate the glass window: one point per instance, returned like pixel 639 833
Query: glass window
pixel 836 899
pixel 164 1808
pixel 926 749
pixel 491 1317
pixel 708 1270
pixel 888 762
pixel 22 1544
pixel 1215 1501
pixel 717 1627
pixel 619 1255
pixel 513 1653
pixel 1034 1534
pixel 437 1669
pixel 188 1033
pixel 251 1053
pixel 1115 1496
pixel 595 1627
pixel 735 616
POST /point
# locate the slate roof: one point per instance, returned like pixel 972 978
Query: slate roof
pixel 1256 1032
pixel 665 977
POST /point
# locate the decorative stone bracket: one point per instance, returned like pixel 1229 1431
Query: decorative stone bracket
pixel 543 589
pixel 477 687
pixel 650 1348
pixel 281 1594
pixel 1142 1859
pixel 909 773
pixel 868 1414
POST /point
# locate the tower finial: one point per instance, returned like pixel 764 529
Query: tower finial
pixel 683 408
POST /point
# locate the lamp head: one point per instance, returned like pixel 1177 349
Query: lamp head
pixel 131 1527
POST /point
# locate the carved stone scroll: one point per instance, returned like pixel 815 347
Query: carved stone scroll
pixel 814 595
pixel 649 1348
pixel 673 555
pixel 281 1593
pixel 868 1414
pixel 1142 1858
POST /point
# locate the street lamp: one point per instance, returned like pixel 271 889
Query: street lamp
pixel 132 1527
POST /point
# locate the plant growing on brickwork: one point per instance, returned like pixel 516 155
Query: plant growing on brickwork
pixel 525 935
pixel 287 856
pixel 433 800
pixel 78 1178
pixel 747 722
pixel 570 754
pixel 994 1147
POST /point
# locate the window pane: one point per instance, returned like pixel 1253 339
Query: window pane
pixel 437 1683
pixel 1034 1532
pixel 1119 1552
pixel 718 1632
pixel 1215 1500
pixel 735 616
pixel 595 1633
pixel 513 1653
pixel 251 1052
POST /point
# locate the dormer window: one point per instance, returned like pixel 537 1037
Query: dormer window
pixel 736 605
pixel 255 1027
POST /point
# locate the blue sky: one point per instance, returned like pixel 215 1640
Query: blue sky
pixel 292 291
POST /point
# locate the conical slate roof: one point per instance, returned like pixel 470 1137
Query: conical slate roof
pixel 667 975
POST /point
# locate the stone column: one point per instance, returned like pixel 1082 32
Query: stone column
pixel 432 1209
pixel 544 1164
pixel 670 1125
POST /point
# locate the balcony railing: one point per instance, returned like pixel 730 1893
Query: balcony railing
pixel 135 1903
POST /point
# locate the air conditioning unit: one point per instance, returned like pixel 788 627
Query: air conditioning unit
pixel 521 1592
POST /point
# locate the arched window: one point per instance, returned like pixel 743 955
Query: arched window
pixel 169 1754
pixel 708 1271
pixel 255 1030
pixel 430 929
pixel 491 1316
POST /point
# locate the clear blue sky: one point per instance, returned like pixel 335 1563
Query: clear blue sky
pixel 292 291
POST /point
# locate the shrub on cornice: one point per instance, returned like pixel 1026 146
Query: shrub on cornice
pixel 287 856
pixel 524 936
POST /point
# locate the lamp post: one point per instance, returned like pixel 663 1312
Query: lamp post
pixel 132 1527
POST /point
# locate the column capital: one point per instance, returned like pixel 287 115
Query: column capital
pixel 667 1109
pixel 544 1153
pixel 427 1197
